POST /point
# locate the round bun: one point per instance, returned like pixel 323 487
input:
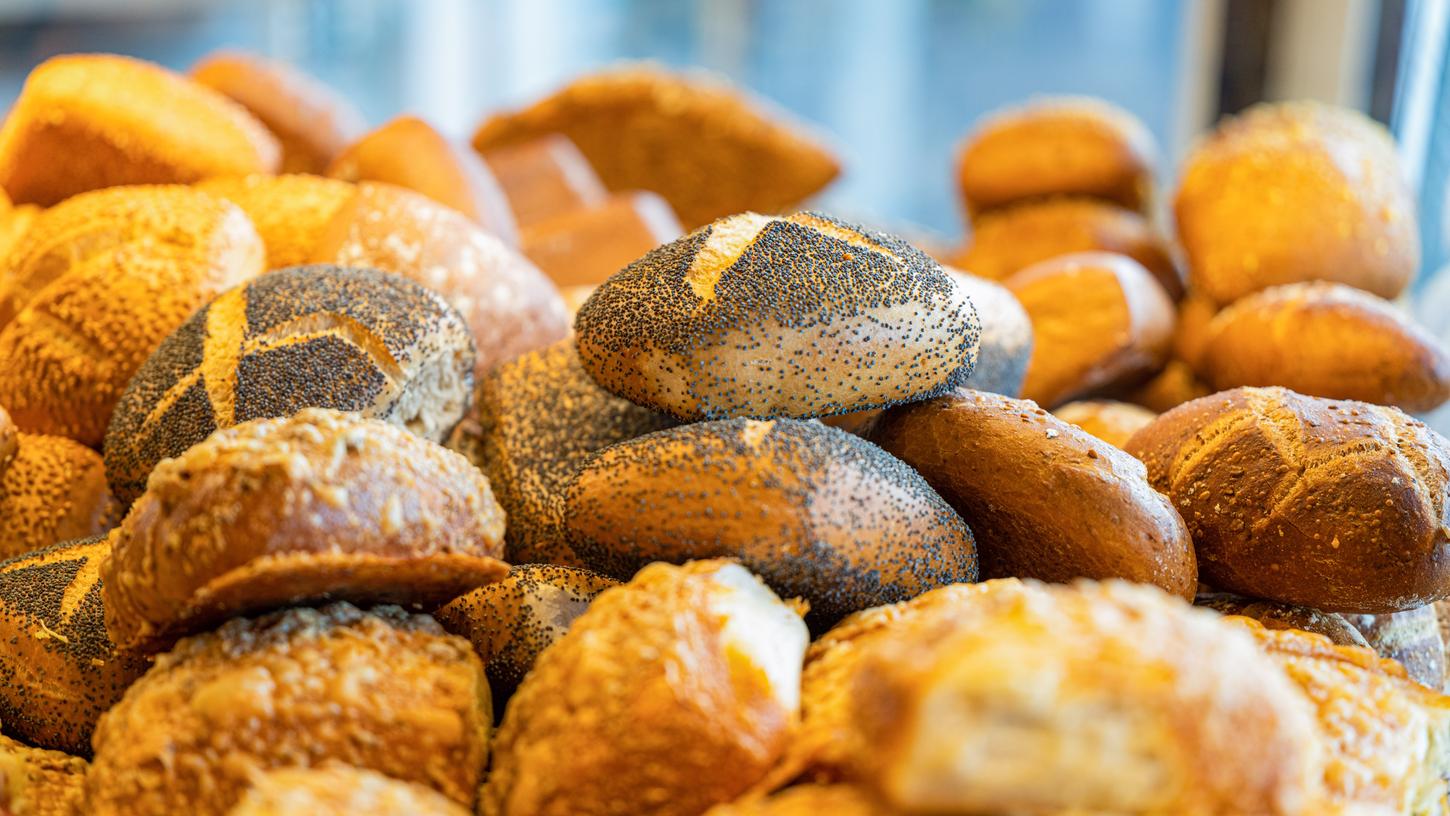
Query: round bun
pixel 334 789
pixel 380 690
pixel 54 490
pixel 37 782
pixel 1273 615
pixel 315 336
pixel 1296 192
pixel 692 680
pixel 1005 345
pixel 1113 422
pixel 807 800
pixel 1410 638
pixel 763 316
pixel 311 122
pixel 1057 146
pixel 544 178
pixel 59 670
pixel 539 419
pixel 507 303
pixel 97 120
pixel 1335 505
pixel 290 212
pixel 1327 340
pixel 273 512
pixel 589 245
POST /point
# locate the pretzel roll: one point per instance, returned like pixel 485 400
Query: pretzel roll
pixel 37 782
pixel 1108 420
pixel 87 121
pixel 1410 638
pixel 1336 505
pixel 1294 192
pixel 54 490
pixel 759 316
pixel 290 212
pixel 9 440
pixel 1273 615
pixel 334 789
pixel 545 178
pixel 588 245
pixel 311 121
pixel 381 690
pixel 510 307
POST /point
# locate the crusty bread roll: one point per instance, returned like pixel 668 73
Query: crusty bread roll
pixel 545 178
pixel 1296 192
pixel 1410 638
pixel 321 504
pixel 588 245
pixel 816 512
pixel 1005 344
pixel 9 440
pixel 1336 505
pixel 59 670
pixel 1045 499
pixel 1057 146
pixel 408 152
pixel 760 316
pixel 13 225
pixel 1168 389
pixel 807 800
pixel 334 789
pixel 1108 420
pixel 1098 321
pixel 87 121
pixel 508 304
pixel 1190 333
pixel 54 490
pixel 311 121
pixel 709 149
pixel 538 420
pixel 312 336
pixel 690 682
pixel 1274 615
pixel 1327 340
pixel 37 782
pixel 290 212
pixel 381 690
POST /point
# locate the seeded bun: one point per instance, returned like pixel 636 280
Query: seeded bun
pixel 290 212
pixel 59 670
pixel 538 420
pixel 838 522
pixel 37 782
pixel 759 316
pixel 544 178
pixel 1005 345
pixel 380 690
pixel 313 336
pixel 1335 505
pixel 311 121
pixel 273 512
pixel 96 120
pixel 588 245
pixel 340 790
pixel 708 148
pixel 54 490
pixel 1113 422
pixel 1410 638
pixel 1273 615
pixel 507 303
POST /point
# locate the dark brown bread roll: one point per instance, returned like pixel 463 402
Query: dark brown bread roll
pixel 290 212
pixel 1046 499
pixel 334 789
pixel 588 245
pixel 54 490
pixel 1411 638
pixel 1337 505
pixel 1274 615
pixel 275 512
pixel 1113 422
pixel 37 782
pixel 816 512
pixel 544 178
pixel 760 316
pixel 313 336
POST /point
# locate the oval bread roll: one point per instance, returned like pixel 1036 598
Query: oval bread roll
pixel 1410 638
pixel 290 212
pixel 1274 615
pixel 1005 345
pixel 1113 422
pixel 37 782
pixel 588 245
pixel 544 178
pixel 340 790
pixel 54 490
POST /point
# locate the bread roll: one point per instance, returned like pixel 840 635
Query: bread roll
pixel 1057 146
pixel 13 226
pixel 382 690
pixel 545 178
pixel 816 512
pixel 1113 422
pixel 313 336
pixel 340 790
pixel 37 782
pixel 1190 334
pixel 1098 321
pixel 1168 389
pixel 311 121
pixel 59 670
pixel 54 490
pixel 539 419
pixel 759 316
pixel 709 149
pixel 1295 192
pixel 1410 638
pixel 290 212
pixel 807 800
pixel 1335 505
pixel 408 152
pixel 1045 499
pixel 691 679
pixel 1005 344
pixel 85 121
pixel 1273 615
pixel 9 440
pixel 588 245
pixel 1328 340
pixel 508 304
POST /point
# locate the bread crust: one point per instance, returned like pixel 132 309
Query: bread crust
pixel 9 440
pixel 290 211
pixel 1005 345
pixel 807 800
pixel 335 789
pixel 1274 615
pixel 1411 638
pixel 54 490
pixel 544 178
pixel 1111 421
pixel 588 245
pixel 37 782
pixel 1174 385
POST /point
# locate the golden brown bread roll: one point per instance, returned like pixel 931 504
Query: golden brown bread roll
pixel 837 521
pixel 1168 389
pixel 1327 340
pixel 1098 321
pixel 691 681
pixel 1410 638
pixel 13 226
pixel 1045 499
pixel 9 440
pixel 1108 420
pixel 37 782
pixel 709 149
pixel 408 152
pixel 334 789
pixel 1274 615
pixel 760 316
pixel 589 244
pixel 290 212
pixel 808 800
pixel 1336 505
pixel 54 490
pixel 1057 146
pixel 85 121
pixel 311 121
pixel 274 512
pixel 507 303
pixel 1294 192
pixel 1195 313
pixel 381 690
pixel 544 178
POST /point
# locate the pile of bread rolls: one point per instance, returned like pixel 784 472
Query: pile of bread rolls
pixel 315 499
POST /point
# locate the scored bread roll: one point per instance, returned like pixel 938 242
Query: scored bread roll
pixel 54 489
pixel 589 244
pixel 37 782
pixel 1108 420
pixel 544 178
pixel 1337 505
pixel 381 690
pixel 334 789
pixel 86 121
pixel 1274 615
pixel 1410 638
pixel 290 212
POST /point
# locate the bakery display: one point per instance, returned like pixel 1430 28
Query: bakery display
pixel 586 245
pixel 37 782
pixel 290 211
pixel 544 178
pixel 1111 421
pixel 334 789
pixel 52 490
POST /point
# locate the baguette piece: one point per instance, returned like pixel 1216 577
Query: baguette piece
pixel 54 490
pixel 290 212
pixel 334 789
pixel 588 245
pixel 544 178
pixel 37 782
